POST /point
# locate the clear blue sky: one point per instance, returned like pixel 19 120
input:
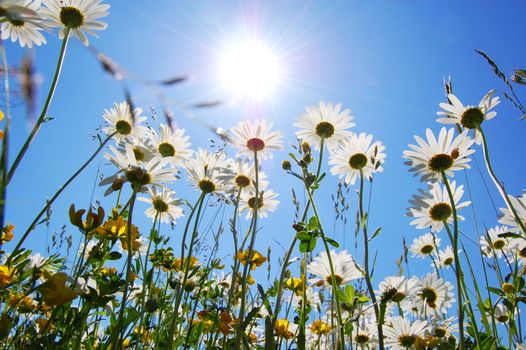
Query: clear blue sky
pixel 384 59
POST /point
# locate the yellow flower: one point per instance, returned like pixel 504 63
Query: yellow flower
pixel 55 292
pixel 282 329
pixel 23 303
pixel 257 258
pixel 117 230
pixel 108 271
pixel 319 327
pixel 6 274
pixel 1 118
pixel 43 325
pixel 295 284
pixel 7 234
pixel 178 266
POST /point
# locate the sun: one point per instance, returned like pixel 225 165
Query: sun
pixel 250 70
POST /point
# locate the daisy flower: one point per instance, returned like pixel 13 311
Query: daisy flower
pixel 142 150
pixel 26 31
pixel 446 257
pixel 491 244
pixel 443 329
pixel 425 245
pixel 365 335
pixel 244 177
pixel 357 155
pixel 470 117
pixel 251 136
pixel 446 154
pixel 121 122
pixel 266 203
pixel 433 296
pixel 209 172
pixel 77 16
pixel 396 289
pixel 345 268
pixel 519 203
pixel 137 173
pixel 325 121
pixel 402 334
pixel 433 208
pixel 518 250
pixel 164 205
pixel 171 144
pixel 501 313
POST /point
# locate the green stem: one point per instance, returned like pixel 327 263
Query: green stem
pixel 119 331
pixel 186 262
pixel 57 194
pixel 43 113
pixel 458 269
pixel 241 316
pixel 5 141
pixel 367 276
pixel 497 183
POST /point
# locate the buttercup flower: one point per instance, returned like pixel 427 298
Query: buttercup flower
pixel 431 209
pixel 469 117
pixel 78 16
pixel 325 121
pixel 446 154
pixel 355 155
pixel 251 136
pixel 26 31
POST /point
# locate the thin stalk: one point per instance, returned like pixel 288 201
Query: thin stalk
pixel 57 194
pixel 498 184
pixel 43 113
pixel 331 267
pixel 241 316
pixel 120 330
pixel 458 269
pixel 180 290
pixel 5 141
pixel 367 276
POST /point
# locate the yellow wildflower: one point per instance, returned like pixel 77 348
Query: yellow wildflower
pixel 55 292
pixel 7 234
pixel 295 284
pixel 319 327
pixel 6 274
pixel 282 329
pixel 257 258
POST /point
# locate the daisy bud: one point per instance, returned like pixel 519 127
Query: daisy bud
pixel 286 165
pixel 508 288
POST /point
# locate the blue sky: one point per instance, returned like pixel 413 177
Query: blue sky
pixel 385 60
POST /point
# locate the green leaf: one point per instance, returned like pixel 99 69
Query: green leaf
pixel 496 291
pixel 313 224
pixel 376 233
pixel 308 245
pixel 509 235
pixel 332 242
pixel 303 235
pixel 114 256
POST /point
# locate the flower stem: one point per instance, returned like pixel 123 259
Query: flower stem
pixel 5 141
pixel 57 194
pixel 496 181
pixel 43 113
pixel 241 316
pixel 367 276
pixel 458 269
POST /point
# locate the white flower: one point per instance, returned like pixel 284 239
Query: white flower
pixel 397 289
pixel 402 334
pixel 432 296
pixel 425 245
pixel 265 203
pixel 491 244
pixel 78 16
pixel 469 117
pixel 519 203
pixel 142 150
pixel 345 268
pixel 365 334
pixel 244 177
pixel 87 248
pixel 209 172
pixel 251 136
pixel 325 120
pixel 446 257
pixel 22 28
pixel 443 329
pixel 121 122
pixel 501 313
pixel 137 173
pixel 356 154
pixel 432 208
pixel 518 250
pixel 164 205
pixel 432 157
pixel 171 144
